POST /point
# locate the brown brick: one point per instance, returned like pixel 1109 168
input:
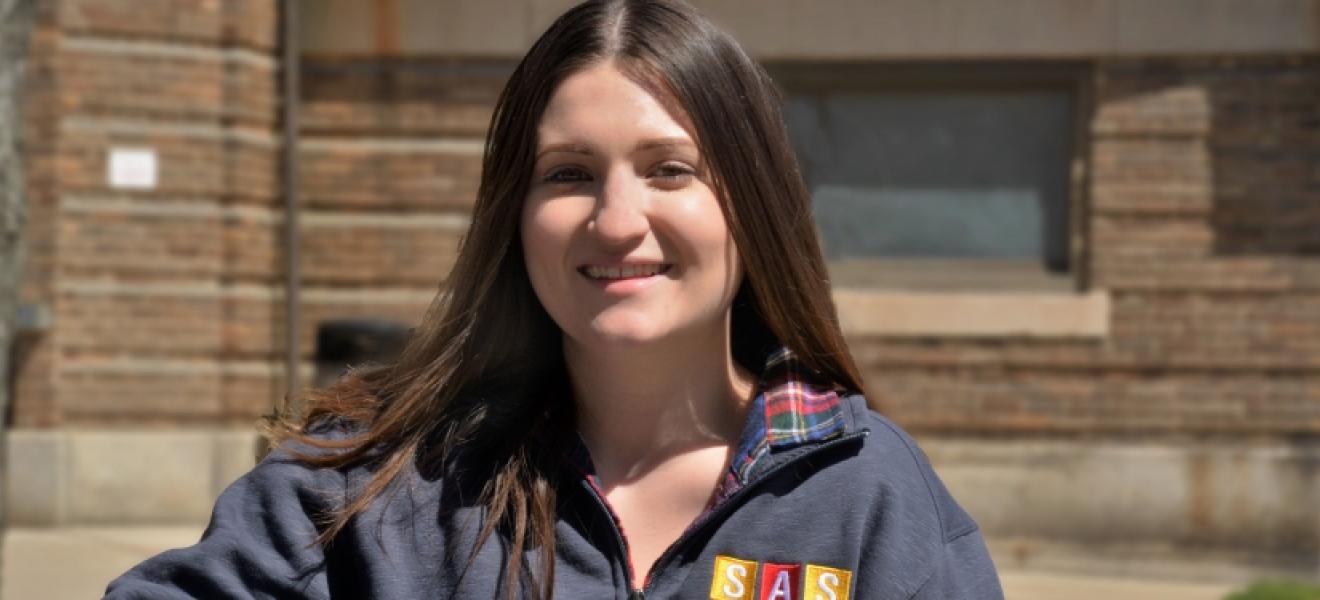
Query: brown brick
pixel 410 99
pixel 373 255
pixel 1114 402
pixel 237 22
pixel 247 397
pixel 97 81
pixel 1165 161
pixel 124 323
pixel 33 404
pixel 357 177
pixel 197 20
pixel 129 246
pixel 253 248
pixel 1266 331
pixel 139 397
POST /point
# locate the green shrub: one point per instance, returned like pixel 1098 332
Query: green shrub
pixel 1277 590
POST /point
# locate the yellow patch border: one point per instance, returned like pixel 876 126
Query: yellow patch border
pixel 811 589
pixel 718 579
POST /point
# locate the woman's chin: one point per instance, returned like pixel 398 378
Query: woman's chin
pixel 629 332
pixel 624 329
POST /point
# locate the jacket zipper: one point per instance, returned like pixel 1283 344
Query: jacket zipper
pixel 622 544
pixel 705 520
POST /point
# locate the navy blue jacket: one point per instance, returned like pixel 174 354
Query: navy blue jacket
pixel 855 513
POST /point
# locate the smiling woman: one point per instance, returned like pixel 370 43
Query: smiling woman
pixel 633 260
pixel 637 336
pixel 623 235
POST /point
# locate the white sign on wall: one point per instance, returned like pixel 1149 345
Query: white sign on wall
pixel 132 168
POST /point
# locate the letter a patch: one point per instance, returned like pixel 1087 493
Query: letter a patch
pixel 824 583
pixel 733 579
pixel 780 582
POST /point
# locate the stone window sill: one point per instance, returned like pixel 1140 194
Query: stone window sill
pixel 1000 314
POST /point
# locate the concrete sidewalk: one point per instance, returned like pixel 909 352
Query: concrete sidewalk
pixel 76 563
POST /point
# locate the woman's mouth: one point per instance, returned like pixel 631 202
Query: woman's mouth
pixel 624 272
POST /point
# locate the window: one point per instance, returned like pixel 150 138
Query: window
pixel 938 178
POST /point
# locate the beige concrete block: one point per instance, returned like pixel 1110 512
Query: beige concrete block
pixel 1208 26
pixel 337 26
pixel 140 477
pixel 934 29
pixel 71 563
pixel 235 454
pixel 1138 507
pixel 1021 585
pixel 36 479
pixel 471 27
pixel 1037 315
pixel 544 12
pixel 82 477
pixel 1047 488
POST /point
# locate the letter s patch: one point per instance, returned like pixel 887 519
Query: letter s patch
pixel 732 579
pixel 825 583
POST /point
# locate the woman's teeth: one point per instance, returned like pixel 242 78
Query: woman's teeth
pixel 625 272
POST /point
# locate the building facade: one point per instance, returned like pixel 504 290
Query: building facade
pixel 1076 244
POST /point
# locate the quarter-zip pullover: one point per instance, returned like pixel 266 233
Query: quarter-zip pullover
pixel 825 500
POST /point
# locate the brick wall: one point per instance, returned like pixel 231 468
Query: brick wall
pixel 167 303
pixel 391 159
pixel 139 283
pixel 1204 227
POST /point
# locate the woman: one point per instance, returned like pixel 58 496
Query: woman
pixel 637 337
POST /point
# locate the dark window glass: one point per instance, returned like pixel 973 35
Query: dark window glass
pixel 955 175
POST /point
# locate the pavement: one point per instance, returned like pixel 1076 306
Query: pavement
pixel 69 563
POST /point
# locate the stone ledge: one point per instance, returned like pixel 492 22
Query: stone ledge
pixel 973 315
pixel 88 477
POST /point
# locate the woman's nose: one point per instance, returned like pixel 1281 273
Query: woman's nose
pixel 620 214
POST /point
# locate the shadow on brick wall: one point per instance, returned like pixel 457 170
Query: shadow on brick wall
pixel 1264 144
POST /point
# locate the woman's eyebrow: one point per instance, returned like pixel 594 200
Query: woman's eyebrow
pixel 667 142
pixel 571 147
pixel 642 146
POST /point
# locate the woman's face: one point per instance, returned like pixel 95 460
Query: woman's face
pixel 623 236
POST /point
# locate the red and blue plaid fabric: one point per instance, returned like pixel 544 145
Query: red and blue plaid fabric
pixel 792 408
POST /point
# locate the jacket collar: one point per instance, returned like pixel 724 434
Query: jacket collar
pixel 796 408
pixel 793 408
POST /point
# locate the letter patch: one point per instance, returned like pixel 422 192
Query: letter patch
pixel 825 583
pixel 780 582
pixel 733 578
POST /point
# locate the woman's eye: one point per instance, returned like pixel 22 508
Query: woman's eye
pixel 566 175
pixel 673 173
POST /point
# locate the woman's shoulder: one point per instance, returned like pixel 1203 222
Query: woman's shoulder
pixel 916 517
pixel 892 461
pixel 300 461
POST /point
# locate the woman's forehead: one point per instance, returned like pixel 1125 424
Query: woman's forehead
pixel 600 104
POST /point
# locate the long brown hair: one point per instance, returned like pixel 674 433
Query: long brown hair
pixel 485 367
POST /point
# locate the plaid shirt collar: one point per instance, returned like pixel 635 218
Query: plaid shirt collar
pixel 793 408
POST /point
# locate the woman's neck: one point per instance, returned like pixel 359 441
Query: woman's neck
pixel 640 405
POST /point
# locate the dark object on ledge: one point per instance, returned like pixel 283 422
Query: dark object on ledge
pixel 341 344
